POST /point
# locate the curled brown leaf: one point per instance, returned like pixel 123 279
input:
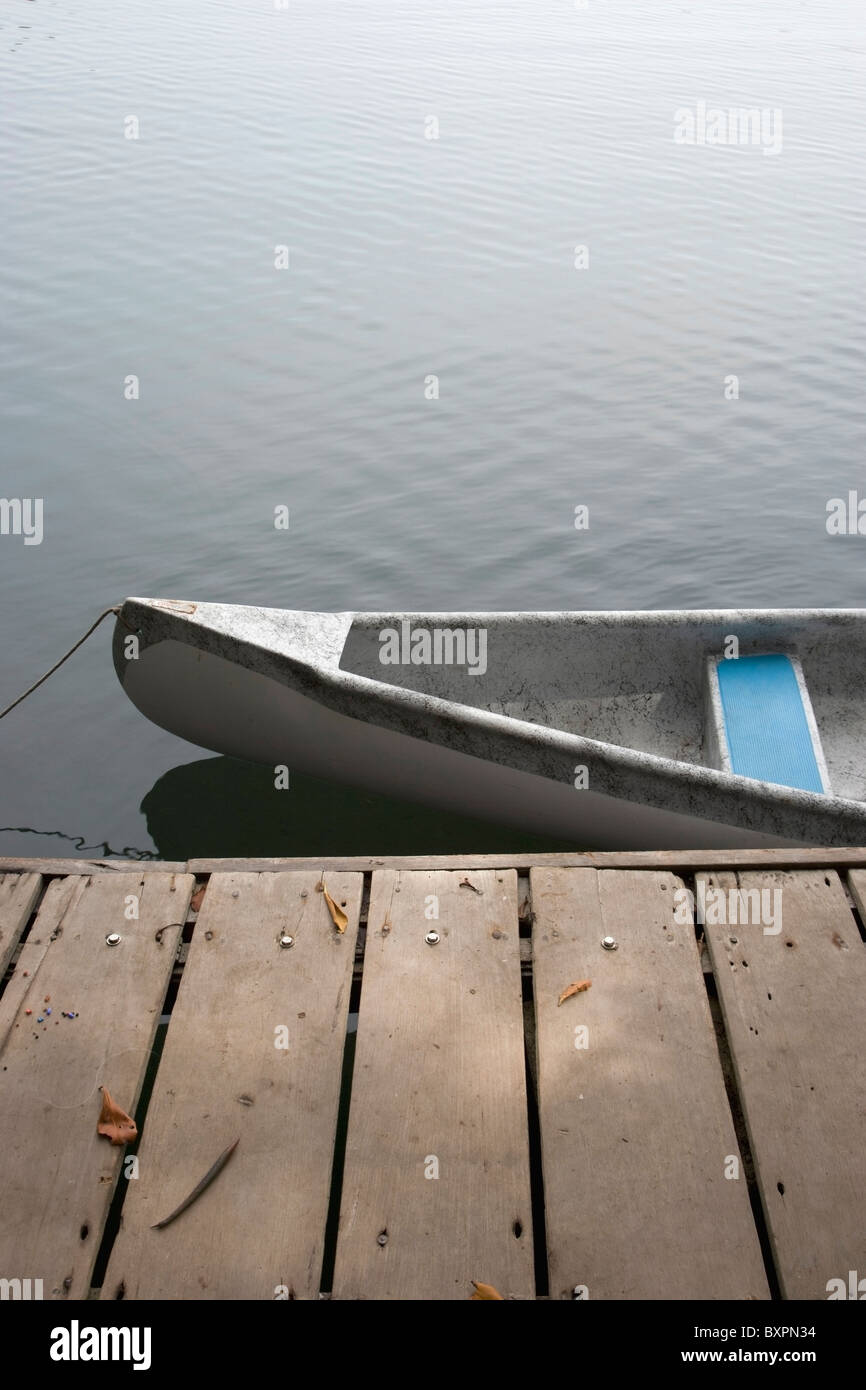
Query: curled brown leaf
pixel 114 1123
pixel 484 1291
pixel 338 916
pixel 577 987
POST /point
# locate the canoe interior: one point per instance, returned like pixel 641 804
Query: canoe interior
pixel 635 680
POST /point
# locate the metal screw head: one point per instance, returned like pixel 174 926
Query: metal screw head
pixel 609 943
pixel 432 938
pixel 286 942
pixel 113 939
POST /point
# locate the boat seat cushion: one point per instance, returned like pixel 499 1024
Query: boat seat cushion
pixel 767 727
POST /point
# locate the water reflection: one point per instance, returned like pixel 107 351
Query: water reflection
pixel 222 807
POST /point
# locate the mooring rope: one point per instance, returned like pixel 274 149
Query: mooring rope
pixel 116 610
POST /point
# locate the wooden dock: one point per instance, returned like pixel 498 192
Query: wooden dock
pixel 416 1110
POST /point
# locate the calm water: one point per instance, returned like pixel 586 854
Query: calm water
pixel 408 257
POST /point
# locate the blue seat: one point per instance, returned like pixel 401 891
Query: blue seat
pixel 766 728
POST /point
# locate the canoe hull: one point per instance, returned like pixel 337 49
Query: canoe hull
pixel 286 713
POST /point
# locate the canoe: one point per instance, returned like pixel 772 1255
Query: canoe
pixel 632 730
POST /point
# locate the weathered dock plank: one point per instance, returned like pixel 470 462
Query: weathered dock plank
pixel 793 1003
pixel 636 1130
pixel 602 859
pixel 90 866
pixel 56 1174
pixel 259 1231
pixel 684 860
pixel 19 894
pixel 436 1184
pixel 58 895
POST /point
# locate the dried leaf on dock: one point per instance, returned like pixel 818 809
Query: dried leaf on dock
pixel 484 1291
pixel 114 1123
pixel 577 987
pixel 200 1186
pixel 338 916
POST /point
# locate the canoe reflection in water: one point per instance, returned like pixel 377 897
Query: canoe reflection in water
pixel 224 807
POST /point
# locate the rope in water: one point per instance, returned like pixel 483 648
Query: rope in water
pixel 42 679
